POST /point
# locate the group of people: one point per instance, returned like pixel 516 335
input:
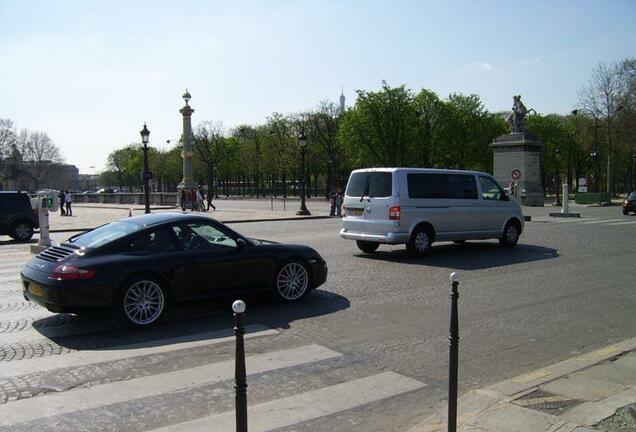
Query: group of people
pixel 194 200
pixel 66 200
pixel 335 203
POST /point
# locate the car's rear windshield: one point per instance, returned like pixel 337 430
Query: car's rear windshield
pixel 371 184
pixel 106 234
pixel 632 195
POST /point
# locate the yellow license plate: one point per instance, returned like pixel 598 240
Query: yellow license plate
pixel 37 290
pixel 355 211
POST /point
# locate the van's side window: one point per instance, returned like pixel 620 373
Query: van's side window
pixel 462 186
pixel 427 185
pixel 490 190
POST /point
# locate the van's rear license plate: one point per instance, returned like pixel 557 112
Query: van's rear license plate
pixel 354 211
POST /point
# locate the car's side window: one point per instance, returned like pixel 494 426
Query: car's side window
pixel 490 190
pixel 155 241
pixel 200 235
pixel 462 186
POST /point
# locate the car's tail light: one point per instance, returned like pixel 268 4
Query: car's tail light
pixel 394 213
pixel 68 272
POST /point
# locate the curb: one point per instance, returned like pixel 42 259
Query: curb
pixel 238 221
pixel 475 402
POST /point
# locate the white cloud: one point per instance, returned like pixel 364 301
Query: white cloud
pixel 482 66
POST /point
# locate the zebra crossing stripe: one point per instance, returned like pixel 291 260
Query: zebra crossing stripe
pixel 601 221
pixel 306 406
pixel 82 358
pixel 137 388
pixel 622 223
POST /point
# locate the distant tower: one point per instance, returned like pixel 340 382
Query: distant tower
pixel 342 102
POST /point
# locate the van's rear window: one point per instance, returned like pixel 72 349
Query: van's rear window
pixel 371 184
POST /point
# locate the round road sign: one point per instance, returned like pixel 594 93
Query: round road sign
pixel 516 174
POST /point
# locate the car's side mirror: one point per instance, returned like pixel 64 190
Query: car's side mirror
pixel 240 243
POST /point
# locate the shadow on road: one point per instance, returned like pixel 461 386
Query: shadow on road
pixel 468 256
pixel 190 322
pixel 9 241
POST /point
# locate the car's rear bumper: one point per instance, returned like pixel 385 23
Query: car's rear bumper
pixel 630 207
pixel 68 298
pixel 388 238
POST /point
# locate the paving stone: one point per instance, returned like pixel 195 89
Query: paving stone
pixel 582 388
pixel 628 361
pixel 611 372
pixel 590 413
pixel 511 418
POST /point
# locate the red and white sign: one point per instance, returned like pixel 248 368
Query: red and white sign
pixel 515 174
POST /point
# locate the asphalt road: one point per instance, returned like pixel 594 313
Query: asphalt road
pixel 567 288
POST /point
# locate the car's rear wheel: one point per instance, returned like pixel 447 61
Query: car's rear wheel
pixel 510 235
pixel 21 231
pixel 142 302
pixel 367 246
pixel 292 281
pixel 420 242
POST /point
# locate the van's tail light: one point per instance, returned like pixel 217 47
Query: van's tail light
pixel 394 213
pixel 67 272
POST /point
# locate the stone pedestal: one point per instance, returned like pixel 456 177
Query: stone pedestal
pixel 517 161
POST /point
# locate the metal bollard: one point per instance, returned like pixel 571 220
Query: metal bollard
pixel 453 359
pixel 284 203
pixel 566 194
pixel 271 202
pixel 240 379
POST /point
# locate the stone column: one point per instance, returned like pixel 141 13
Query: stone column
pixel 186 153
pixel 517 160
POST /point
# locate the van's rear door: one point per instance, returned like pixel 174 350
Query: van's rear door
pixel 368 197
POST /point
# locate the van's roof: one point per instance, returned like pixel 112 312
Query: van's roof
pixel 424 170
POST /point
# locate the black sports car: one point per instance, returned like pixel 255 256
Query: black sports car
pixel 139 266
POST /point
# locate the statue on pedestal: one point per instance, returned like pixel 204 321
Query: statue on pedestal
pixel 517 118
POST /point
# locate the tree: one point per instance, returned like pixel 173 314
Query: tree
pixel 381 127
pixel 40 153
pixel 323 125
pixel 8 136
pixel 208 147
pixel 609 91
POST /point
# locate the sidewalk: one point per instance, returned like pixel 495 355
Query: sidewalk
pixel 591 392
pixel 87 216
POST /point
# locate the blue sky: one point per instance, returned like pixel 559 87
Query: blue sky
pixel 90 73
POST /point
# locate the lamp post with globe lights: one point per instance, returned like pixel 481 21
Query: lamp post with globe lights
pixel 557 179
pixel 147 175
pixel 302 141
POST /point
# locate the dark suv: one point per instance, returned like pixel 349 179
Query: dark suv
pixel 17 217
pixel 629 205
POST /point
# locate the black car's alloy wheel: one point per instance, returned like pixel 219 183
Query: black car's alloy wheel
pixel 22 231
pixel 142 301
pixel 292 281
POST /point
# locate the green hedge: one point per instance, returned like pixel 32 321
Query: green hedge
pixel 591 197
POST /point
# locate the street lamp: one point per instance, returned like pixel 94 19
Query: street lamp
pixel 557 180
pixel 147 175
pixel 594 155
pixel 634 171
pixel 302 140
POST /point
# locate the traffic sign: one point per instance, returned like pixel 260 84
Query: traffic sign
pixel 516 174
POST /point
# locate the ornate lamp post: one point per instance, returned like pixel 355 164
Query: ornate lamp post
pixel 187 154
pixel 557 179
pixel 634 171
pixel 302 140
pixel 147 175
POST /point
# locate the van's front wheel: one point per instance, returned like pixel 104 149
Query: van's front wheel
pixel 510 235
pixel 420 242
pixel 367 246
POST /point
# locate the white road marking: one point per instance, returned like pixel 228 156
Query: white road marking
pixel 126 391
pixel 623 223
pixel 158 346
pixel 303 407
pixel 601 221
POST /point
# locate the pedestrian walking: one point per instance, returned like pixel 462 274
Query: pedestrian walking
pixel 332 203
pixel 68 200
pixel 183 200
pixel 210 195
pixel 200 199
pixel 62 201
pixel 339 203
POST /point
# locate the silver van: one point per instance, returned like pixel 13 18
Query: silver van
pixel 417 206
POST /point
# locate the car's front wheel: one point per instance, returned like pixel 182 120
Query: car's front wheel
pixel 367 246
pixel 510 235
pixel 22 231
pixel 142 301
pixel 292 281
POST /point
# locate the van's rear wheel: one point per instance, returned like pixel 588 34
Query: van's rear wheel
pixel 367 246
pixel 420 242
pixel 510 235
